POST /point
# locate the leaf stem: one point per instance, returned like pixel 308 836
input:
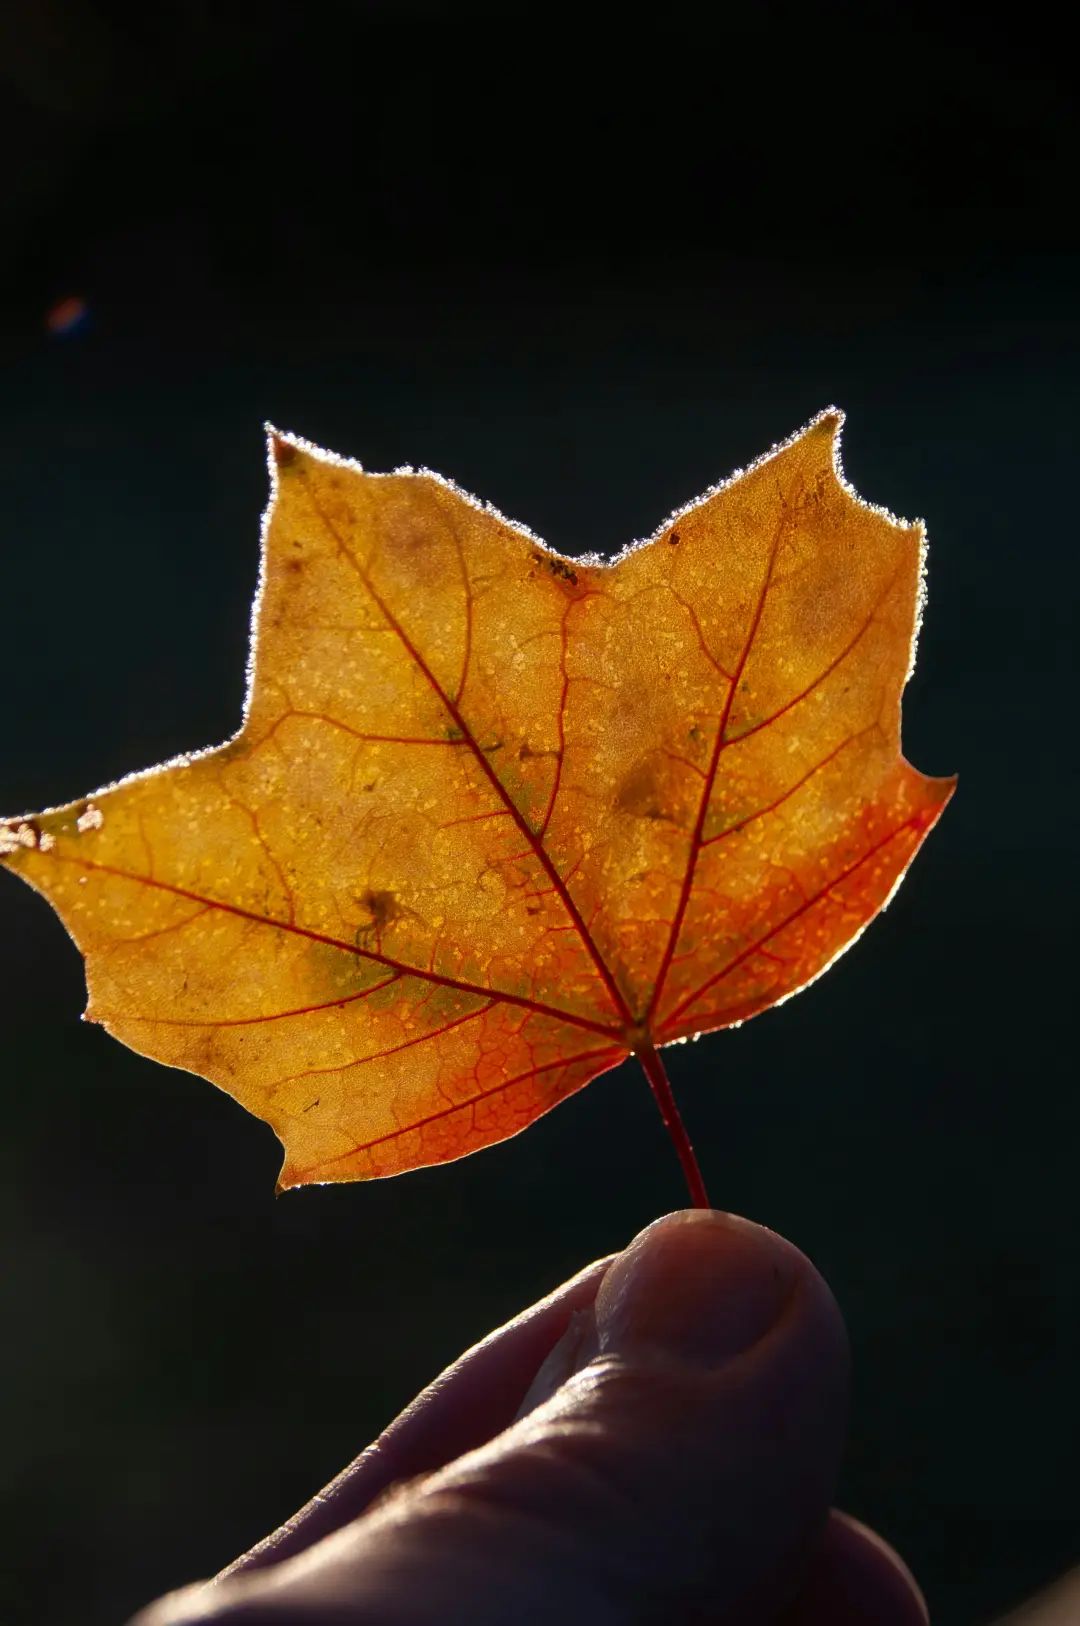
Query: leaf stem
pixel 660 1084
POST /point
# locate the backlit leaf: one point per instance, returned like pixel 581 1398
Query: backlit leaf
pixel 495 818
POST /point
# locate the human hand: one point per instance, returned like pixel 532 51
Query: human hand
pixel 657 1441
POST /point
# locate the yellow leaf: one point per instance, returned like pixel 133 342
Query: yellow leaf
pixel 495 818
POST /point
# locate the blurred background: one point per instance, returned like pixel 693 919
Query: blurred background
pixel 585 269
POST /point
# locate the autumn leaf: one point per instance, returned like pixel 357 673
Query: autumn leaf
pixel 496 818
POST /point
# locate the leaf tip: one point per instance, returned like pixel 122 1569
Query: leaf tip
pixel 937 791
pixel 287 1180
pixel 817 444
pixel 829 422
pixel 281 451
pixel 822 432
pixel 947 784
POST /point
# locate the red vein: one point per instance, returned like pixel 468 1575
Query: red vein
pixel 274 1016
pixel 474 818
pixel 356 733
pixel 381 1055
pixel 252 814
pixel 530 835
pixel 435 977
pixel 683 762
pixel 754 948
pixel 789 705
pixel 445 1112
pixel 733 829
pixel 161 931
pixel 710 779
pixel 560 752
pixel 700 631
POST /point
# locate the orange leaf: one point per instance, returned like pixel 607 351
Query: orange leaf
pixel 496 819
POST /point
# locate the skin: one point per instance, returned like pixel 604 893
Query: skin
pixel 657 1441
pixel 654 1442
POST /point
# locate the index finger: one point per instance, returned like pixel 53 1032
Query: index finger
pixel 467 1405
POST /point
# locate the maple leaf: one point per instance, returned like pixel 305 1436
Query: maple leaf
pixel 496 819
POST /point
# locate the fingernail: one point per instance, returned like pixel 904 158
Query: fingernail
pixel 575 1349
pixel 698 1285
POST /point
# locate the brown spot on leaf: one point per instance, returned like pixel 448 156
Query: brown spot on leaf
pixel 381 908
pixel 639 792
pixel 473 1020
pixel 561 569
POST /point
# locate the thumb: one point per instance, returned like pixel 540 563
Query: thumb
pixel 681 1469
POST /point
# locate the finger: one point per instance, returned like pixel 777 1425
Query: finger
pixel 683 1473
pixel 1056 1605
pixel 855 1578
pixel 470 1402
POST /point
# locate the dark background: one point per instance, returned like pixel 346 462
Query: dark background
pixel 585 266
